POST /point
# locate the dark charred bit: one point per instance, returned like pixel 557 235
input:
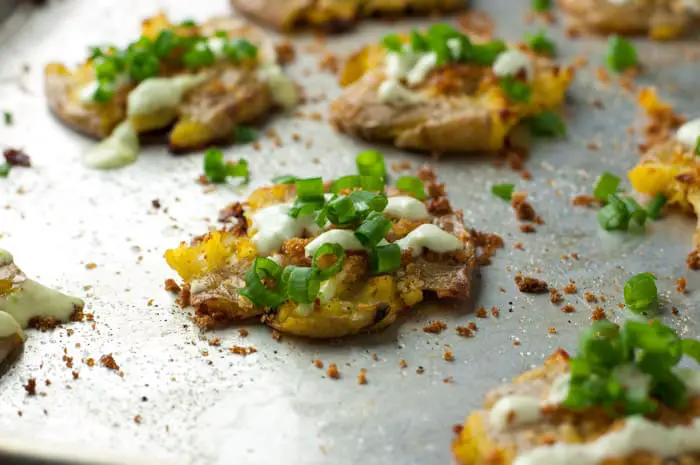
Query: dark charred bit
pixel 523 209
pixel 381 312
pixel 531 285
pixel 172 286
pixel 231 212
pixel 17 157
pixel 30 387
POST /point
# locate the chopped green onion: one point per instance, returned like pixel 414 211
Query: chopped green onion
pixel 166 42
pixel 504 191
pixel 697 146
pixel 541 6
pixel 393 43
pixel 245 134
pixel 637 212
pixel 418 42
pixel 412 185
pixel 142 64
pixel 240 49
pixel 198 56
pixel 216 170
pixel 444 31
pixel 346 182
pixel 515 89
pixel 605 185
pixel 309 188
pixel 95 52
pixel 486 54
pixel 104 92
pixel 188 23
pixel 691 348
pixel 255 290
pixel 107 68
pixel 437 38
pixel 300 283
pixel 621 54
pixel 655 206
pixel 385 259
pixel 547 123
pixel 306 207
pixel 640 292
pixel 371 163
pixel 8 118
pixel 341 211
pixel 5 169
pixel 615 215
pixel 369 201
pixel 373 229
pixel 328 249
pixel 372 183
pixel 540 43
pixel 284 179
pixel 602 347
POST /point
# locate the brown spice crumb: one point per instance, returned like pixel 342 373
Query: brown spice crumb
pixel 516 343
pixel 318 363
pixel 530 285
pixel 599 314
pixel 155 203
pixel 138 419
pixel 568 308
pixel 30 387
pixel 472 326
pixel 375 357
pixel 481 313
pixel 403 364
pixel 552 330
pixel 593 146
pixel 555 296
pixel 590 298
pixel 108 361
pixel 465 331
pixel 332 371
pixel 674 310
pixel 518 246
pixel 570 288
pixel 243 350
pixel 448 356
pixel 435 327
pixel 527 228
pixel 172 286
pixel 285 52
pixel 91 266
pixel 329 62
pixel 90 362
pixel 680 285
pixel 68 360
pixel 420 370
pixel 583 200
pixel 457 429
pixel 523 209
pixel 215 341
pixel 76 375
pixel 362 377
pixel 47 382
pixel 693 260
pixel 243 332
pixel 495 311
pixel 448 380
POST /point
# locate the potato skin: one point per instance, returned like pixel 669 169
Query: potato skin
pixel 660 19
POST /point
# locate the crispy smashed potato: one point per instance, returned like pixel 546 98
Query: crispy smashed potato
pixel 334 15
pixel 660 19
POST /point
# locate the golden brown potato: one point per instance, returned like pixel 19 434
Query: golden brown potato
pixel 336 15
pixel 456 108
pixel 660 19
pixel 228 94
pixel 214 268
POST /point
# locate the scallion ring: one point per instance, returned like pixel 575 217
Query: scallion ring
pixel 412 185
pixel 385 259
pixel 328 249
pixel 301 283
pixel 373 229
pixel 309 188
pixel 255 290
pixel 371 163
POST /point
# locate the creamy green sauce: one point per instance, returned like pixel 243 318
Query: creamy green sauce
pixel 157 95
pixel 8 326
pixel 120 149
pixel 285 92
pixel 30 299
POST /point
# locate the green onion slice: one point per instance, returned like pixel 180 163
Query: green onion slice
pixel 371 163
pixel 198 56
pixel 7 116
pixel 515 89
pixel 306 207
pixel 540 43
pixel 393 43
pixel 640 292
pixel 621 54
pixel 240 49
pixel 255 290
pixel 301 283
pixel 309 188
pixel 418 42
pixel 284 179
pixel 605 185
pixel 245 134
pixel 485 54
pixel 368 201
pixel 346 182
pixel 636 211
pixel 5 169
pixel 328 249
pixel 413 186
pixel 373 229
pixel 214 168
pixel 341 211
pixel 691 348
pixel 655 206
pixel 615 215
pixel 541 6
pixel 385 259
pixel 504 191
pixel 547 124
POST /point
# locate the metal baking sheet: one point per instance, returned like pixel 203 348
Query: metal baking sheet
pixel 274 406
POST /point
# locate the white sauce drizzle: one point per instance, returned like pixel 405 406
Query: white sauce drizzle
pixel 688 133
pixel 638 434
pixel 343 237
pixel 121 148
pixel 274 226
pixel 406 207
pixel 512 411
pixel 87 92
pixel 285 92
pixel 216 45
pixel 429 236
pixel 392 91
pixel 159 94
pixel 511 62
pixel 330 287
pixel 421 69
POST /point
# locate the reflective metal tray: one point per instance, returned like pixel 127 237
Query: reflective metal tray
pixel 274 406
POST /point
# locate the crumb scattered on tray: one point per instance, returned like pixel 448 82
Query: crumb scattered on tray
pixel 172 286
pixel 481 312
pixel 362 377
pixel 681 284
pixel 693 260
pixel 243 332
pixel 465 331
pixel 435 327
pixel 420 370
pixel 403 364
pixel 590 298
pixel 552 330
pixel 138 419
pixel 495 311
pixel 568 308
pixel 530 285
pixel 30 387
pixel 332 371
pixel 570 288
pixel 599 314
pixel 108 361
pixel 555 296
pixel 243 350
pixel 524 211
pixel 448 356
pixel 318 363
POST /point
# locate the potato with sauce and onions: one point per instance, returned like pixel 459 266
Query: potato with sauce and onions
pixel 327 260
pixel 203 80
pixel 442 91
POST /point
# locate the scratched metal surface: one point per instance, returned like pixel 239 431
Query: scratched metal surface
pixel 274 406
